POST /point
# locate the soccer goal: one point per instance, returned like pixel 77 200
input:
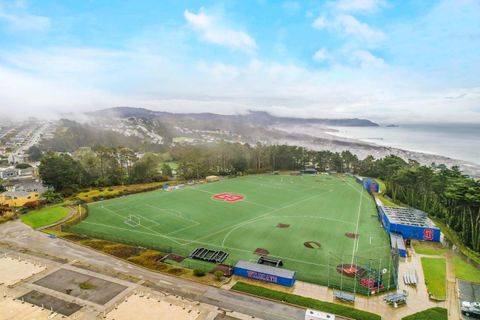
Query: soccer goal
pixel 133 221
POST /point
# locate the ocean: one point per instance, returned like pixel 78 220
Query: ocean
pixel 458 141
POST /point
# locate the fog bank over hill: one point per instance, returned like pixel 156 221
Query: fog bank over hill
pixel 255 126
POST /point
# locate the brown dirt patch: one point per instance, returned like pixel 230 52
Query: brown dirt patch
pixel 175 257
pixel 95 244
pixel 352 235
pixel 351 270
pixel 176 271
pixel 74 237
pixel 227 270
pixel 261 251
pixel 283 225
pixel 122 251
pixel 312 244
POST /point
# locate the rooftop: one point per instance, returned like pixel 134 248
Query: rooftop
pixel 408 216
pixel 16 193
pixel 284 273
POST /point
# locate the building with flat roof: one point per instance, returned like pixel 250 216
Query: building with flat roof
pixel 265 273
pixel 409 222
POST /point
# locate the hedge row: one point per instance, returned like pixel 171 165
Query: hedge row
pixel 338 309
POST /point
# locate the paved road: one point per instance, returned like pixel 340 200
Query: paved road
pixel 16 235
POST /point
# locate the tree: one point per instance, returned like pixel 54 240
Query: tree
pixel 146 169
pixel 51 196
pixel 61 172
pixel 34 153
pixel 166 170
pixel 22 166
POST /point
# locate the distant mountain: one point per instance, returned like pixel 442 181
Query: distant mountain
pixel 253 117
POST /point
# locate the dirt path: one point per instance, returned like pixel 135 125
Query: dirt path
pixel 452 300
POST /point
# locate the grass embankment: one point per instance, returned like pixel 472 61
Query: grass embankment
pixel 150 259
pixel 45 216
pixel 435 276
pixel 95 194
pixel 429 248
pixel 453 237
pixel 305 302
pixel 466 271
pixel 382 197
pixel 429 314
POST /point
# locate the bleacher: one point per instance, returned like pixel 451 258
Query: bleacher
pixel 216 256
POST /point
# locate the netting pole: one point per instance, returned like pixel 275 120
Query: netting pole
pixel 355 280
pixel 341 275
pixel 389 271
pixel 328 274
pixel 379 274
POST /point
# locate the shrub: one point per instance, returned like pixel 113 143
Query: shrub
pixel 198 272
pixel 218 275
pixel 86 286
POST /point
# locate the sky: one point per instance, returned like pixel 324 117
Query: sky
pixel 388 61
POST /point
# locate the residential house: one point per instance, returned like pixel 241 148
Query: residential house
pixel 18 198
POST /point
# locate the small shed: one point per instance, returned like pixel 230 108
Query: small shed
pixel 370 185
pixel 265 273
pixel 212 178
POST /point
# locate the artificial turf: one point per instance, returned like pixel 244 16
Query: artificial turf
pixel 320 208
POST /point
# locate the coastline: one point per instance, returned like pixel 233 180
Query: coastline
pixel 321 138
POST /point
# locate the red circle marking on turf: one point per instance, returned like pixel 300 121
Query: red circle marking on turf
pixel 228 197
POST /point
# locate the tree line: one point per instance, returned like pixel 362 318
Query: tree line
pixel 444 193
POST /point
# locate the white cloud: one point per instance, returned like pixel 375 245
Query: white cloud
pixel 15 18
pixel 349 25
pixel 367 59
pixel 320 22
pixel 359 5
pixel 321 55
pixel 291 7
pixel 213 31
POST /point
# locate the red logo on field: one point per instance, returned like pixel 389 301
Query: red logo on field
pixel 228 197
pixel 428 234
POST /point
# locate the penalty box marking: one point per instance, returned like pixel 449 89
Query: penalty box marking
pixel 148 228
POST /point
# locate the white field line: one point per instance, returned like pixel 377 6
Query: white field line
pixel 182 229
pixel 267 217
pixel 357 239
pixel 167 211
pixel 275 186
pixel 203 243
pixel 148 228
pixel 248 220
pixel 267 214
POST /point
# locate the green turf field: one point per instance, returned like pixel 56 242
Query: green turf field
pixel 317 208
